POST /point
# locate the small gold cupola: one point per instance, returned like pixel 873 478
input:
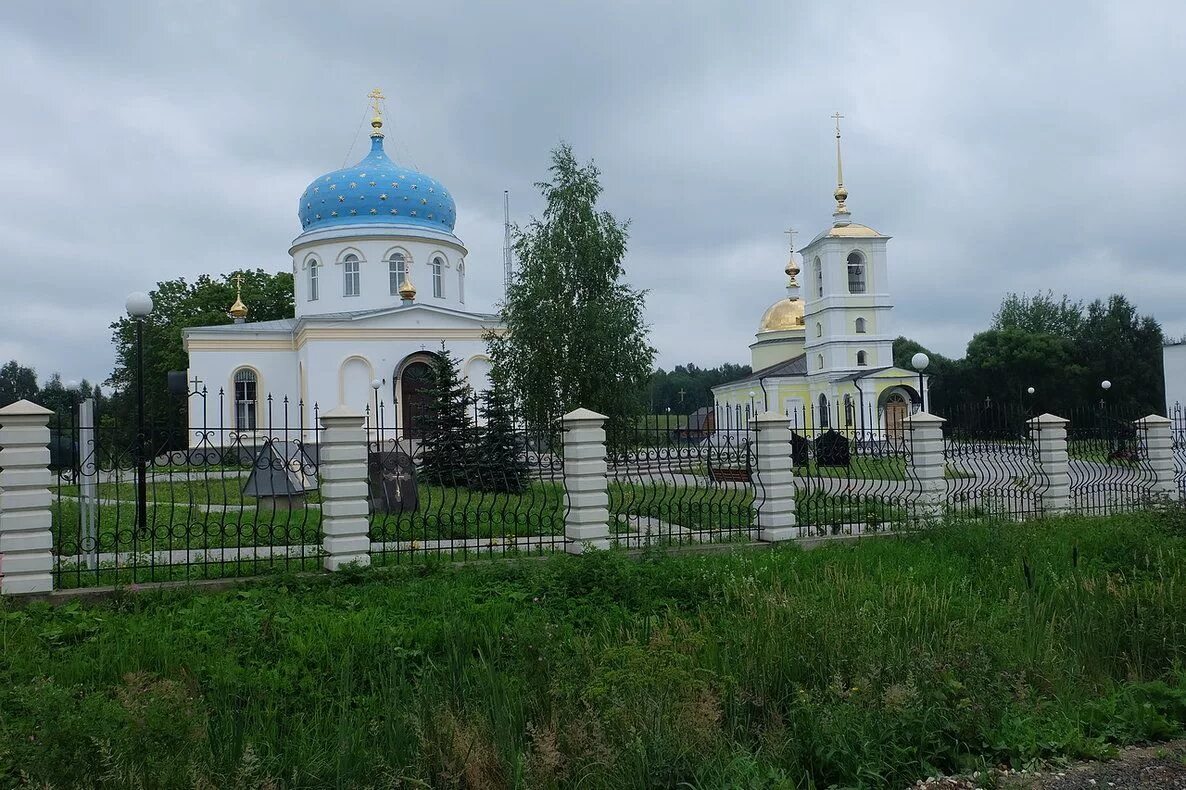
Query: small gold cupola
pixel 238 310
pixel 407 291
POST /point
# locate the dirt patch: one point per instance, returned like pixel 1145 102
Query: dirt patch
pixel 1162 766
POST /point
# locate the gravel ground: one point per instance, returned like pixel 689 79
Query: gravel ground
pixel 1161 766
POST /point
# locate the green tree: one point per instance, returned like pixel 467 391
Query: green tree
pixel 501 462
pixel 447 427
pixel 1003 363
pixel 576 335
pixel 1039 314
pixel 686 388
pixel 17 382
pixel 178 305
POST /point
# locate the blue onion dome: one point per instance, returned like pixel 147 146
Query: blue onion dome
pixel 377 191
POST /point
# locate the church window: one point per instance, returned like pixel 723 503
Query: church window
pixel 819 359
pixel 397 267
pixel 819 329
pixel 862 359
pixel 819 277
pixel 824 420
pixel 461 282
pixel 856 273
pixel 314 290
pixel 850 411
pixel 350 273
pixel 860 326
pixel 438 282
pixel 245 399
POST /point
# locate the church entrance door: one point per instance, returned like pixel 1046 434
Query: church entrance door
pixel 415 380
pixel 895 417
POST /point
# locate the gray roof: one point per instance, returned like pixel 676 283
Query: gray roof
pixel 290 325
pixel 795 366
pixel 860 374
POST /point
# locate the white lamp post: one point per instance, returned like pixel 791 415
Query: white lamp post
pixel 139 306
pixel 919 362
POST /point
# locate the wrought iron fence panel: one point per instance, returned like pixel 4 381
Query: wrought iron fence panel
pixel 851 471
pixel 992 468
pixel 130 507
pixel 671 482
pixel 1178 429
pixel 481 488
pixel 1107 462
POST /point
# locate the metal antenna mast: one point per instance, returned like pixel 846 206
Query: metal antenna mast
pixel 507 262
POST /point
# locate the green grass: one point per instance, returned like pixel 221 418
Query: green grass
pixel 869 664
pixel 207 491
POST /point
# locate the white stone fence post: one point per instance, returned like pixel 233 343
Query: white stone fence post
pixel 342 464
pixel 774 486
pixel 1156 439
pixel 927 464
pixel 26 537
pixel 1053 466
pixel 586 481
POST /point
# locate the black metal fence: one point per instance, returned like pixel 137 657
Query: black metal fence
pixel 1108 462
pixel 992 464
pixel 852 470
pixel 1177 418
pixel 489 485
pixel 130 507
pixel 680 480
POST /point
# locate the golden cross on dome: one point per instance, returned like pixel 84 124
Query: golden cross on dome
pixel 238 278
pixel 841 194
pixel 792 233
pixel 376 96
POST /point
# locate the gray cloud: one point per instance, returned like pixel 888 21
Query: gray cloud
pixel 1005 147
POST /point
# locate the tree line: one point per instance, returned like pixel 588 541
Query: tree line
pixel 1062 348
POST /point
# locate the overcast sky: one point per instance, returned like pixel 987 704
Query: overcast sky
pixel 1006 147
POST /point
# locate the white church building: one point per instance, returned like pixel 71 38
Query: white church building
pixel 379 284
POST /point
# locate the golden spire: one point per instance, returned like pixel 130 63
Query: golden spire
pixel 376 96
pixel 841 194
pixel 407 291
pixel 792 269
pixel 238 309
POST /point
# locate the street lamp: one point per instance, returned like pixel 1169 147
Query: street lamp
pixel 1105 385
pixel 139 306
pixel 752 393
pixel 919 362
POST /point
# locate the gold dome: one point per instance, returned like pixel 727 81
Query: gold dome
pixel 782 315
pixel 238 309
pixel 407 291
pixel 853 229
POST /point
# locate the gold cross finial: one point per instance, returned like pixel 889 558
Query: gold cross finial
pixel 376 96
pixel 238 309
pixel 841 194
pixel 792 233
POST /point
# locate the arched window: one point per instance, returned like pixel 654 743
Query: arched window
pixel 350 276
pixel 856 273
pixel 438 282
pixel 461 282
pixel 245 399
pixel 824 420
pixel 819 358
pixel 819 277
pixel 850 411
pixel 862 359
pixel 819 329
pixel 314 288
pixel 860 326
pixel 397 269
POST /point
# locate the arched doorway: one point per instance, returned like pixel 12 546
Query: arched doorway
pixel 414 379
pixel 896 410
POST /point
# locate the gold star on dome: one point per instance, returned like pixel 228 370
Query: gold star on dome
pixel 332 187
pixel 315 189
pixel 341 198
pixel 333 213
pixel 395 211
pixel 424 201
pixel 395 184
pixel 383 196
pixel 415 186
pixel 317 216
pixel 354 212
pixel 353 185
pixel 413 213
pixel 374 211
pixel 362 175
pixel 371 183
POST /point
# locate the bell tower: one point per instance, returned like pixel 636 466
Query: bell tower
pixel 847 301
